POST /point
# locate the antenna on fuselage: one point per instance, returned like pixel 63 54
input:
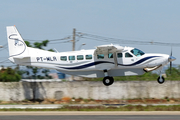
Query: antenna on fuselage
pixel 55 50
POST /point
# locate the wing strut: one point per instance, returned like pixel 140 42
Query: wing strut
pixel 115 59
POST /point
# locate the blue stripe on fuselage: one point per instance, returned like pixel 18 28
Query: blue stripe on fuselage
pixel 100 62
pixel 87 65
pixel 140 61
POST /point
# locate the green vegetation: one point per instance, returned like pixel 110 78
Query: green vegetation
pixel 122 108
pixel 147 76
pixel 9 75
pixel 104 108
pixel 173 75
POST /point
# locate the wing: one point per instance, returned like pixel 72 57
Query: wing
pixel 106 49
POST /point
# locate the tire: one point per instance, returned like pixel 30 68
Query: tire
pixel 108 81
pixel 161 81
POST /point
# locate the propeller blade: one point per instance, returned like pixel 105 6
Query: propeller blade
pixel 170 67
pixel 171 58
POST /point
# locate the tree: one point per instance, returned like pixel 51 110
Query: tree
pixel 173 73
pixel 9 75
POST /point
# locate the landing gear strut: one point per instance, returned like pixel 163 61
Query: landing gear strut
pixel 160 78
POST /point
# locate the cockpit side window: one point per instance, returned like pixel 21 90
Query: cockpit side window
pixel 128 55
pixel 137 52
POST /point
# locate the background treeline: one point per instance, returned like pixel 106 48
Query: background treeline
pixel 15 75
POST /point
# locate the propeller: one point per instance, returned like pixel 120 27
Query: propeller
pixel 170 59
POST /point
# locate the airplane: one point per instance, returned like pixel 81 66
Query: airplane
pixel 105 61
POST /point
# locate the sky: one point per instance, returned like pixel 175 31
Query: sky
pixel 141 20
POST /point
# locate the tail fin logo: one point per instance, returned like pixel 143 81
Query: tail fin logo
pixel 16 40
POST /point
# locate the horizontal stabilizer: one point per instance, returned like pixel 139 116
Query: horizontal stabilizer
pixel 21 57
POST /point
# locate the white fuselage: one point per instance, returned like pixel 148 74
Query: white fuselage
pixel 87 63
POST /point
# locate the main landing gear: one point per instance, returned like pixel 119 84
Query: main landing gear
pixel 108 80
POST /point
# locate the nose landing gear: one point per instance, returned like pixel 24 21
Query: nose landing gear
pixel 161 79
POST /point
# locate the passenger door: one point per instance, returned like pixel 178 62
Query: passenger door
pixel 125 58
pixel 128 58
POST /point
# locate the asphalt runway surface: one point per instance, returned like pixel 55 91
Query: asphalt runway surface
pixel 95 115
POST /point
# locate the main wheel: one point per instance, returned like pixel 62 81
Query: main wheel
pixel 161 80
pixel 108 80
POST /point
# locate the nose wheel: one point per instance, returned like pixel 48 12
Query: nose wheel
pixel 108 80
pixel 160 79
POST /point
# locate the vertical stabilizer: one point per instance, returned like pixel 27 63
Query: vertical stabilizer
pixel 17 46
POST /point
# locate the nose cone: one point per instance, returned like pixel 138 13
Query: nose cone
pixel 171 58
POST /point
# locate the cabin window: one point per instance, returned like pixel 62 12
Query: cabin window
pixel 88 57
pixel 110 55
pixel 119 55
pixel 71 57
pixel 128 55
pixel 100 56
pixel 64 58
pixel 80 57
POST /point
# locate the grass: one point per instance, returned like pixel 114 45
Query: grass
pixel 103 108
pixel 149 76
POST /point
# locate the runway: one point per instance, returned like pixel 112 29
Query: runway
pixel 51 113
pixel 95 115
pixel 91 117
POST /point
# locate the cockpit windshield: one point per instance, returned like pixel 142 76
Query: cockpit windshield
pixel 137 52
